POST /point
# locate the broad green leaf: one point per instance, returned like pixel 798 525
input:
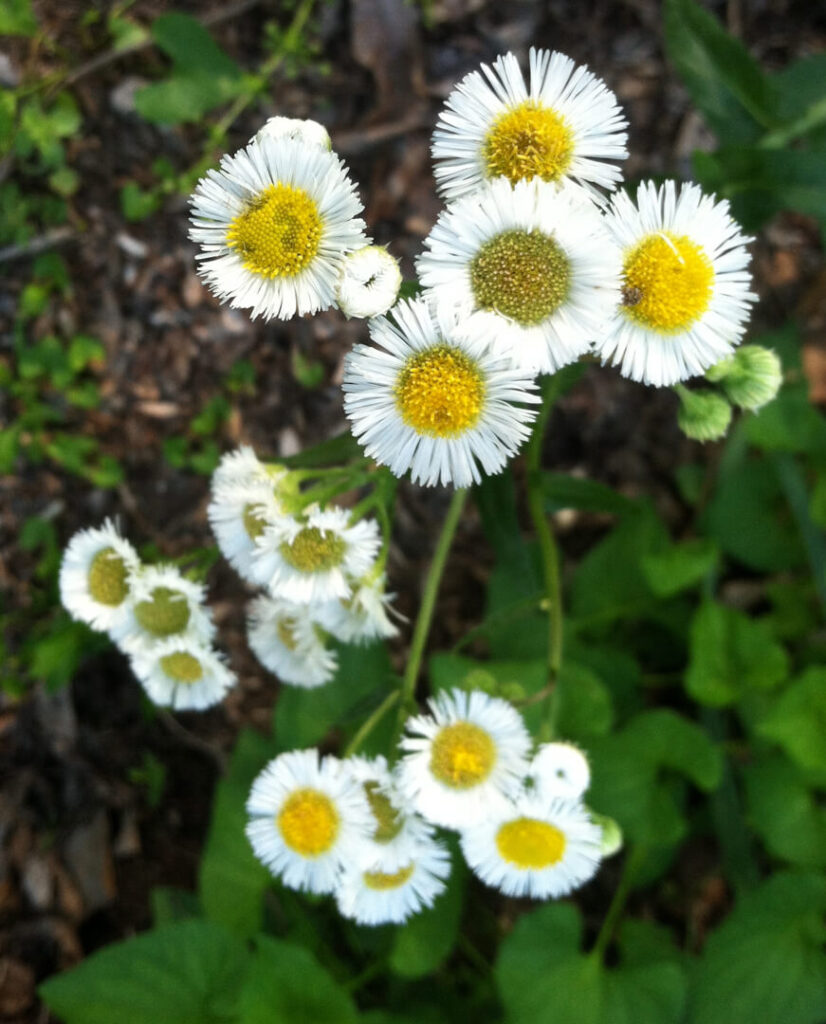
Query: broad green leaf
pixel 679 567
pixel 232 882
pixel 17 18
pixel 170 905
pixel 426 940
pixel 561 490
pixel 790 423
pixel 785 813
pixel 584 705
pixel 285 984
pixel 304 717
pixel 191 47
pixel 724 80
pixel 731 654
pixel 797 720
pixel 801 100
pixel 185 973
pixel 543 978
pixel 766 962
pixel 56 655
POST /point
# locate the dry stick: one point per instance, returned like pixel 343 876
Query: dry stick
pixel 38 244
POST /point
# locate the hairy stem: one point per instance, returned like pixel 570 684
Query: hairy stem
pixel 370 724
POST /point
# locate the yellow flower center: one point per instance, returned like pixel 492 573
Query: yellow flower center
pixel 308 822
pixel 254 522
pixel 462 755
pixel 440 392
pixel 278 233
pixel 388 820
pixel 380 880
pixel 286 633
pixel 530 141
pixel 107 578
pixel 182 666
pixel 314 550
pixel 165 613
pixel 524 275
pixel 667 282
pixel 530 844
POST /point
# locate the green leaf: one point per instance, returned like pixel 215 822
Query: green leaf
pixel 724 80
pixel 185 973
pixel 17 18
pixel 84 350
pixel 766 963
pixel 561 490
pixel 421 945
pixel 797 720
pixel 680 567
pixel 304 717
pixel 285 984
pixel 231 881
pixel 191 47
pixel 789 424
pixel 785 813
pixel 543 978
pixel 56 655
pixel 584 707
pixel 137 203
pixel 731 654
pixel 170 905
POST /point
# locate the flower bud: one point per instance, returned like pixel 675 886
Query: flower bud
pixel 311 133
pixel 369 282
pixel 704 415
pixel 750 377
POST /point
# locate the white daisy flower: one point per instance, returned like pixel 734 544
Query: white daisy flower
pixel 433 400
pixel 238 514
pixel 360 618
pixel 307 819
pixel 565 124
pixel 274 224
pixel 374 897
pixel 463 759
pixel 685 284
pixel 95 576
pixel 313 559
pixel 533 264
pixel 181 673
pixel 533 848
pixel 288 643
pixel 305 131
pixel 396 835
pixel 164 604
pixel 369 282
pixel 240 466
pixel 560 771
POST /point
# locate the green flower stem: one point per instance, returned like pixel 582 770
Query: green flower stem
pixel 370 724
pixel 425 616
pixel 547 549
pixel 615 910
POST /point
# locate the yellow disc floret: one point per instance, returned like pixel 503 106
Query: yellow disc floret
pixel 667 282
pixel 530 844
pixel 182 667
pixel 165 613
pixel 286 633
pixel 107 578
pixel 278 233
pixel 388 820
pixel 314 550
pixel 254 522
pixel 380 880
pixel 308 822
pixel 524 275
pixel 530 141
pixel 440 392
pixel 462 755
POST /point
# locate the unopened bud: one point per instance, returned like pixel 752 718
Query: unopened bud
pixel 311 133
pixel 369 282
pixel 703 415
pixel 750 377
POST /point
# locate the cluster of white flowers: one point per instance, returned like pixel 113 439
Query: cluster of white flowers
pixel 320 570
pixel 536 260
pixel 366 833
pixel 154 613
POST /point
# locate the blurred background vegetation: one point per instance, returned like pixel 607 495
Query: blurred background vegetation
pixel 695 576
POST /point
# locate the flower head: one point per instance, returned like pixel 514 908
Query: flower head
pixel 274 224
pixel 95 575
pixel 560 770
pixel 182 673
pixel 164 604
pixel 434 401
pixel 239 511
pixel 362 617
pixel 369 282
pixel 565 124
pixel 287 642
pixel 685 284
pixel 305 131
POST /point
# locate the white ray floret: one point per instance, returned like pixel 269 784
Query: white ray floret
pixel 433 399
pixel 464 758
pixel 274 225
pixel 374 897
pixel 533 848
pixel 238 514
pixel 565 123
pixel 307 819
pixel 95 576
pixel 182 673
pixel 240 466
pixel 397 832
pixel 686 295
pixel 369 282
pixel 164 604
pixel 362 617
pixel 533 266
pixel 288 643
pixel 303 130
pixel 560 771
pixel 314 558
